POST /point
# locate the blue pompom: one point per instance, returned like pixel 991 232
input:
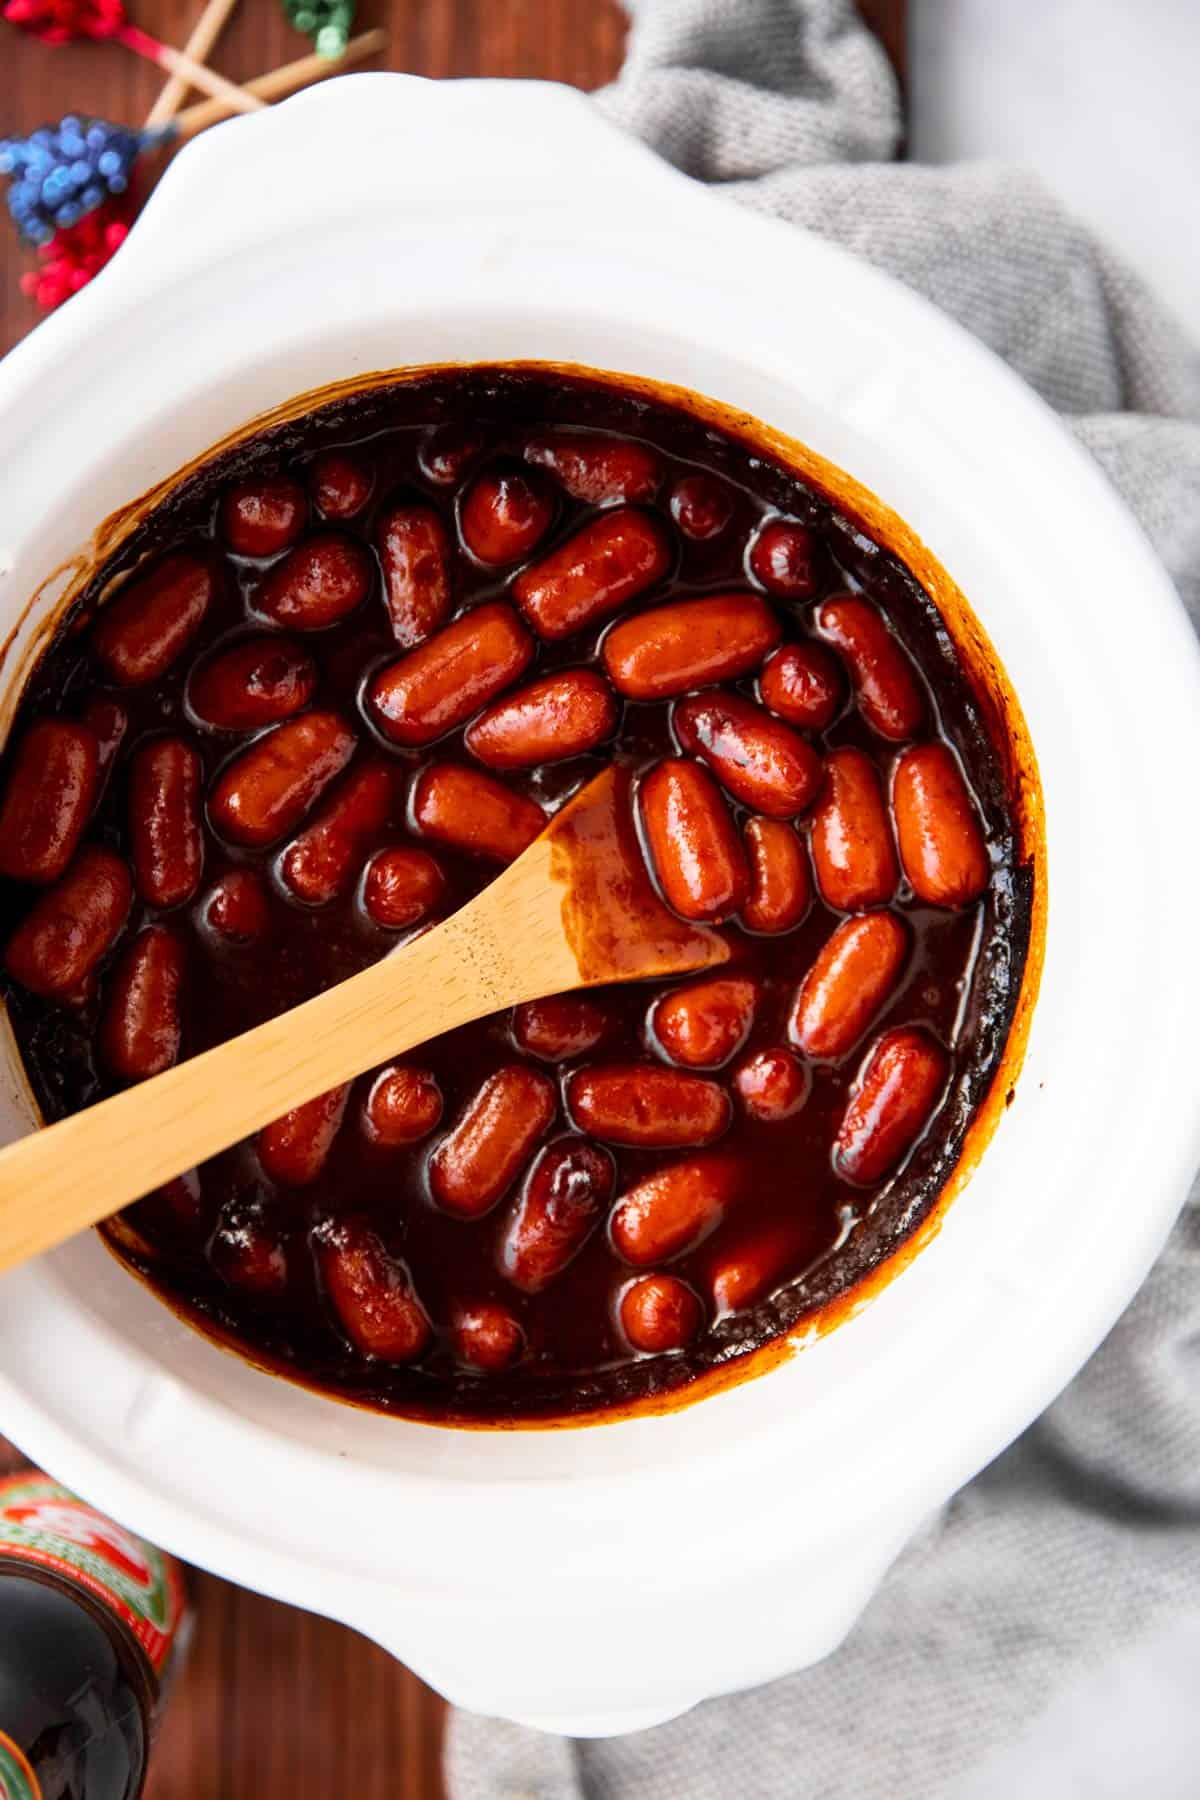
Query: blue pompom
pixel 59 173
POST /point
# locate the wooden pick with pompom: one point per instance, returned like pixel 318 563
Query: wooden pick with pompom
pixel 68 21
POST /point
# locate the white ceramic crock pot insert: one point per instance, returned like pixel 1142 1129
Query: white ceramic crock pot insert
pixel 595 1580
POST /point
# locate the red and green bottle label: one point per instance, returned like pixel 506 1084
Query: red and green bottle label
pixel 17 1779
pixel 45 1524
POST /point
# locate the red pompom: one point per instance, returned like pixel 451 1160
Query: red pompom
pixel 58 21
pixel 78 252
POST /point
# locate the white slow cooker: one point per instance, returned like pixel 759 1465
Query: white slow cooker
pixel 601 1579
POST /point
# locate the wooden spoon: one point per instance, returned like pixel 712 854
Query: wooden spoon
pixel 576 909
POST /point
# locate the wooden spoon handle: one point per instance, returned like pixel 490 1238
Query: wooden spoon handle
pixel 505 946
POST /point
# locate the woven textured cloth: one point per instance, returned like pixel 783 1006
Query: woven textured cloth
pixel 1084 1537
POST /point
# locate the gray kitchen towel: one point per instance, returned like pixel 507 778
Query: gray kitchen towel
pixel 1084 1537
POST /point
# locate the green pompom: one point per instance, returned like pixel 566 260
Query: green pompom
pixel 327 22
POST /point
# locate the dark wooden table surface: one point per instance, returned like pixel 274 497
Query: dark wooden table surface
pixel 277 1704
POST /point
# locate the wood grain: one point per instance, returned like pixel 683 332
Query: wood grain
pixel 276 1704
pixel 577 41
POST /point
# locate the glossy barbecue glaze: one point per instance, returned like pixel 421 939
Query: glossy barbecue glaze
pixel 369 652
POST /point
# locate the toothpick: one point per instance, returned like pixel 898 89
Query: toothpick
pixel 282 81
pixel 207 80
pixel 205 32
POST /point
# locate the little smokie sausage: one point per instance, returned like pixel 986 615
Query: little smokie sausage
pixel 473 812
pixel 447 453
pixel 615 557
pixel 595 469
pixel 705 1023
pixel 316 584
pixel 401 886
pixel 559 1027
pixel 139 634
pixel 438 686
pixel 262 514
pixel 757 758
pixel 670 1211
pixel 415 556
pixel 701 506
pixel 294 1149
pixel 141 1027
pixel 403 1105
pixel 71 925
pixel 691 841
pixel 558 716
pixel 486 1335
pixel 689 644
pixel 341 483
pixel 660 1313
pixel 237 908
pixel 371 1292
pixel 771 1085
pixel 166 831
pixel 563 1197
pixel 266 791
pixel 484 1151
pixel 885 683
pixel 788 559
pixel 743 1275
pixel 51 789
pixel 897 1091
pixel 854 974
pixel 780 881
pixel 642 1104
pixel 937 828
pixel 803 684
pixel 852 849
pixel 255 682
pixel 505 515
pixel 323 861
pixel 249 1248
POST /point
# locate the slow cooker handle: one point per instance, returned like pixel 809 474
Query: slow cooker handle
pixel 419 149
pixel 632 1667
